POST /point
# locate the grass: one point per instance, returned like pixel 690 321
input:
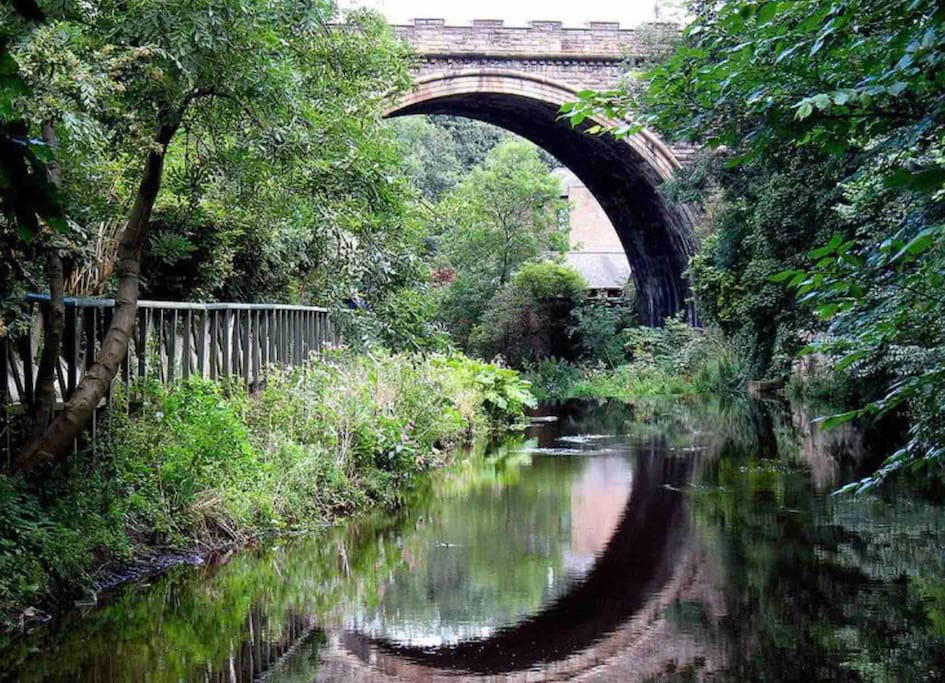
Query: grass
pixel 675 360
pixel 197 464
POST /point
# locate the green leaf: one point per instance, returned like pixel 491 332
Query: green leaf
pixel 841 97
pixel 838 419
pixel 804 109
pixel 850 359
pixel 768 12
pixel 828 248
pixel 926 180
pixel 783 275
pixel 797 279
pixel 918 245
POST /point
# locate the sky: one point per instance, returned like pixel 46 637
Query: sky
pixel 515 12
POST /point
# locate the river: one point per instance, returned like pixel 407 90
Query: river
pixel 678 541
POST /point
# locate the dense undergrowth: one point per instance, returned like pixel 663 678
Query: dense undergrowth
pixel 198 465
pixel 672 360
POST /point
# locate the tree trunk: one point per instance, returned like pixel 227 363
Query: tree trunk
pixel 55 443
pixel 54 323
pixel 54 317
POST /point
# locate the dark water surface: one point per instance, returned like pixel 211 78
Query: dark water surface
pixel 674 541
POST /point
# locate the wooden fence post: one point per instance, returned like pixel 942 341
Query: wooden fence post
pixel 185 344
pixel 202 343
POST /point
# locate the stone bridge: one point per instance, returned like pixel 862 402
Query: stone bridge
pixel 518 78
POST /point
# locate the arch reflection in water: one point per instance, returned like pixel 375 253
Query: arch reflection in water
pixel 497 553
pixel 639 558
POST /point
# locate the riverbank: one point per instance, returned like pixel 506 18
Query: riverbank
pixel 197 466
pixel 675 360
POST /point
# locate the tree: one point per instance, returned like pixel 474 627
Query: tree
pixel 259 85
pixel 473 139
pixel 440 150
pixel 430 156
pixel 502 214
pixel 30 204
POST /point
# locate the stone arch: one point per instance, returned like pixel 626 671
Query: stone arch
pixel 623 175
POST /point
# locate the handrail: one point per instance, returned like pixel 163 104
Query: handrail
pixel 179 305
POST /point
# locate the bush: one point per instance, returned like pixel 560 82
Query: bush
pixel 531 317
pixel 403 320
pixel 597 327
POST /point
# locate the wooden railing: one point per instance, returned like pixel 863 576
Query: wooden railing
pixel 171 340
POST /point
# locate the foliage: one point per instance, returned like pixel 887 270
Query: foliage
pixel 530 318
pixel 404 320
pixel 440 151
pixel 769 213
pixel 504 213
pixel 831 113
pixel 198 463
pixel 281 181
pixel 505 394
pixel 752 75
pixel 675 359
pixel 472 139
pixel 431 160
pixel 885 311
pixel 597 327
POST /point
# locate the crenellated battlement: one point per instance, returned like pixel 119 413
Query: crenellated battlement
pixel 593 56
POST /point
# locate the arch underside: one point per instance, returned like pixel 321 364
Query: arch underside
pixel 623 175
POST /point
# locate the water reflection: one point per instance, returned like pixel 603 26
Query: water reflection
pixel 495 554
pixel 670 541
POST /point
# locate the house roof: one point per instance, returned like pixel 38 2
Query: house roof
pixel 601 269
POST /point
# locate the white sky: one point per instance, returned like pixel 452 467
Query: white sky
pixel 515 12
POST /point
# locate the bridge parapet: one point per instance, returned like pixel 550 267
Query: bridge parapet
pixel 594 56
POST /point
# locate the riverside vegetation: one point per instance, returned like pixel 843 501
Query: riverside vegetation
pixel 197 466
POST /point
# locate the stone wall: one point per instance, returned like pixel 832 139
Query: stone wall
pixel 590 57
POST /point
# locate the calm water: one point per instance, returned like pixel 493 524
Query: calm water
pixel 676 541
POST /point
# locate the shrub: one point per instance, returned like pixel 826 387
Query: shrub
pixel 670 360
pixel 403 320
pixel 531 317
pixel 553 378
pixel 597 327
